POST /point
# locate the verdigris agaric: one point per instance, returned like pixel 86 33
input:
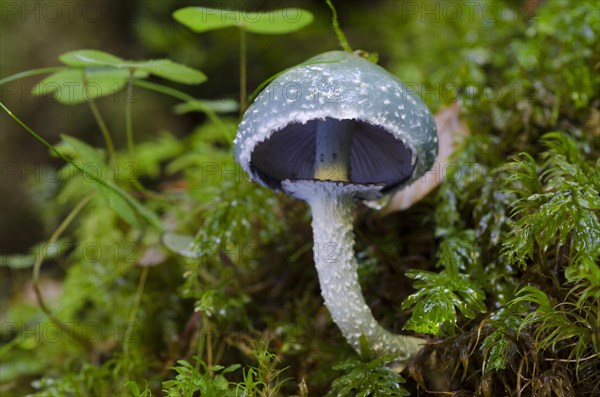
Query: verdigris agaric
pixel 332 131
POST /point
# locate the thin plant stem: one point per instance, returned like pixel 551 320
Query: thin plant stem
pixel 150 218
pixel 110 147
pixel 128 118
pixel 212 115
pixel 219 353
pixel 336 28
pixel 29 73
pixel 200 342
pixel 209 352
pixel 136 304
pixel 205 341
pixel 243 76
pixel 38 265
pixel 187 98
pixel 163 89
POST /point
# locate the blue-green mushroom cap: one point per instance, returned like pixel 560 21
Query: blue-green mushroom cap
pixel 395 138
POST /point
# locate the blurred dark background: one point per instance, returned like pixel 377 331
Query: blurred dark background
pixel 34 33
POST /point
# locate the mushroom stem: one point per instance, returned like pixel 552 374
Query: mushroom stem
pixel 332 149
pixel 331 204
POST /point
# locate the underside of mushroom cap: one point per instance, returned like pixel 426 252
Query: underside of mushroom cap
pixel 395 139
pixel 376 156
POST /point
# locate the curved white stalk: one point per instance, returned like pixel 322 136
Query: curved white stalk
pixel 331 205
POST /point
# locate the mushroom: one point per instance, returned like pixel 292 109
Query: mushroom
pixel 332 131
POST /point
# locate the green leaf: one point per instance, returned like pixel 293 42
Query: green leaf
pixel 555 205
pixel 281 21
pixel 136 391
pixel 164 68
pixel 367 378
pixel 433 315
pixel 170 70
pixel 83 58
pixel 118 199
pixel 119 204
pixel 437 296
pixel 181 244
pixel 95 74
pixel 17 261
pixel 558 325
pixel 231 368
pixel 496 346
pixel 457 251
pixel 81 150
pixel 75 86
pixel 23 261
pixel 141 209
pixel 219 106
pixel 202 19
